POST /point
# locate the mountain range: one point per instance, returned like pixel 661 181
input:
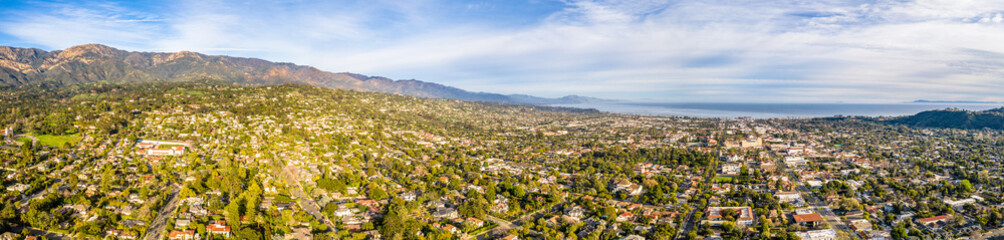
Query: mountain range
pixel 100 63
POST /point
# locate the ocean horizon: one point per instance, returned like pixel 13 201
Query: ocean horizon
pixel 775 110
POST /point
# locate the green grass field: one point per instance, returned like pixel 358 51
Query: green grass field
pixel 723 179
pixel 57 141
pixel 23 140
pixel 89 97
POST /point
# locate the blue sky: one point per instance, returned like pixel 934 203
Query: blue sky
pixel 645 50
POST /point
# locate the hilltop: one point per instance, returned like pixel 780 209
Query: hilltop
pixel 955 118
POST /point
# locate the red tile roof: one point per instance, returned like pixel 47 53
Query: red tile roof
pixel 811 217
pixel 933 219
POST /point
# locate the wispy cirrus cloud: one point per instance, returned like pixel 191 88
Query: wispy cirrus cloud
pixel 764 51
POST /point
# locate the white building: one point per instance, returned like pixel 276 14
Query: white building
pixel 18 187
pixel 789 197
pixel 793 161
pixel 731 168
pixel 827 234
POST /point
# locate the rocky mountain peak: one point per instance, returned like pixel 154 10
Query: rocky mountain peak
pixel 90 50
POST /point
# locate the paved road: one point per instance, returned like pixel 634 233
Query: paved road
pixel 306 203
pixel 687 223
pixel 40 232
pixel 34 140
pixel 156 229
pixel 37 195
pixel 987 235
pixel 824 209
pixel 503 226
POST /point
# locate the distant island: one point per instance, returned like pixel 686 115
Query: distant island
pixel 959 101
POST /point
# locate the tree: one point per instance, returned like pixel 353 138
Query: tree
pixel 186 192
pixel 662 232
pixel 849 204
pixel 397 224
pixel 247 234
pixel 376 193
pixel 899 232
pixel 518 191
pixel 609 212
pixel 233 211
pixel 474 208
pixel 965 187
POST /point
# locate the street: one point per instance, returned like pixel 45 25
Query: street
pixel 156 229
pixel 823 209
pixel 306 203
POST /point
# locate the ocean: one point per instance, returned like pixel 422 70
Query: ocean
pixel 775 110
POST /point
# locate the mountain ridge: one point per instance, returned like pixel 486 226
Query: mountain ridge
pixel 96 62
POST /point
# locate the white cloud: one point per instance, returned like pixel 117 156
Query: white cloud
pixel 685 50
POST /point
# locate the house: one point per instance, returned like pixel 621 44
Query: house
pixel 8 236
pixel 768 167
pixel 353 220
pixel 182 223
pixel 510 237
pixel 183 235
pixel 450 229
pixel 7 131
pixel 284 205
pixel 625 216
pixel 135 198
pixel 627 186
pixel 501 204
pixel 862 162
pixel 633 237
pixel 475 222
pixel 935 222
pixel 195 200
pixel 219 227
pixel 198 210
pixel 500 208
pixel 368 203
pixel 445 213
pixel 341 212
pixel 808 220
pixel 127 235
pixel 18 187
pixel 962 202
pixel 743 215
pixel 576 213
pixel 130 223
pixel 409 196
pixel 299 233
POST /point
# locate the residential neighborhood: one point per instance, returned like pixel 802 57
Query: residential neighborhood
pixel 288 162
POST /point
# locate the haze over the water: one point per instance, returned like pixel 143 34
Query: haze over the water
pixel 662 51
pixel 777 110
